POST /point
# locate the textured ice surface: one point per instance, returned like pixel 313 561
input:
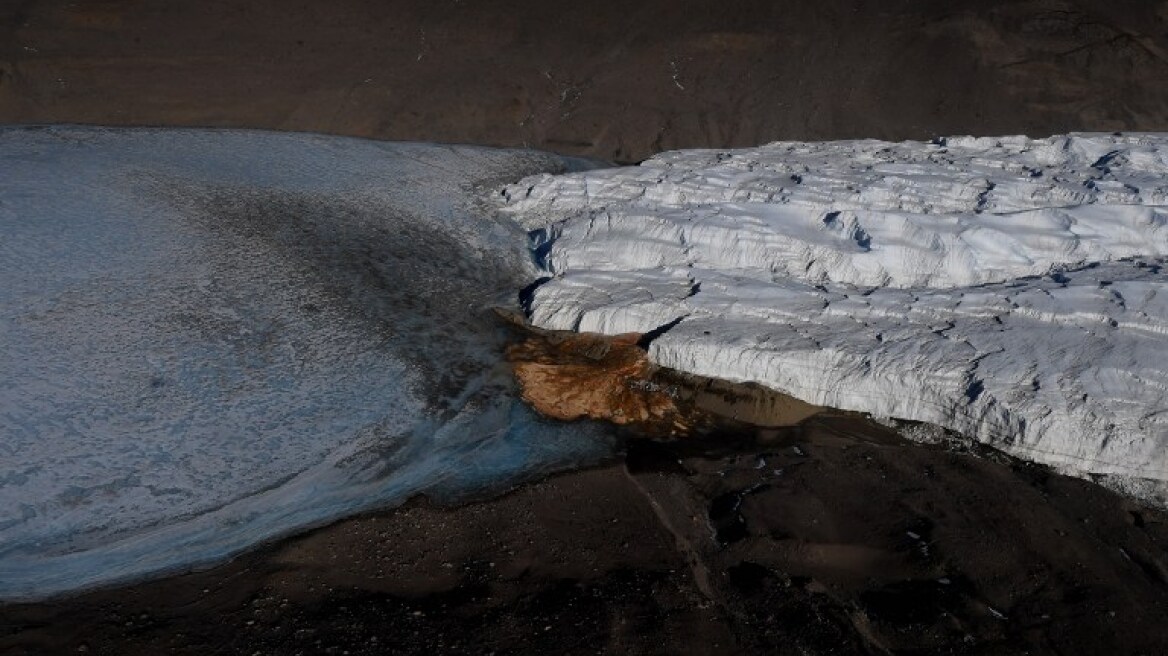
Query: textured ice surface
pixel 210 338
pixel 1010 289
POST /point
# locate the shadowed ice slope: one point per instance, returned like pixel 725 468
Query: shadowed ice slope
pixel 1010 289
pixel 211 338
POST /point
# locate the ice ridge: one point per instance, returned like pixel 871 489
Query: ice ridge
pixel 1010 289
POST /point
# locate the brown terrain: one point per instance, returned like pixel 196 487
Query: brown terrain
pixel 606 78
pixel 569 376
pixel 735 520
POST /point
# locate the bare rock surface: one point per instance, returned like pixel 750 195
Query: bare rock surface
pixel 605 79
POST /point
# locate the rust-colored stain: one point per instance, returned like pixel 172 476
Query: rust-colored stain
pixel 576 375
pixel 570 376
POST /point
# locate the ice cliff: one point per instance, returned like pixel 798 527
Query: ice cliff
pixel 1010 289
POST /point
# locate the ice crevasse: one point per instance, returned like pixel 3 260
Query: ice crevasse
pixel 1010 289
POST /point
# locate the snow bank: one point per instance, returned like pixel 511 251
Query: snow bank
pixel 1010 289
pixel 210 338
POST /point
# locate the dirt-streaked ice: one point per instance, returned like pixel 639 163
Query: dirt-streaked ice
pixel 210 338
pixel 1010 289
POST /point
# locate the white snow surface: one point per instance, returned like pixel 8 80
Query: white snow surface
pixel 211 338
pixel 1010 289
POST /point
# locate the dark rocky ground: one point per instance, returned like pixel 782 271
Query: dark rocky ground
pixel 830 537
pixel 605 78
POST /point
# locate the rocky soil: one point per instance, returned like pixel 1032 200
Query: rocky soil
pixel 605 79
pixel 830 537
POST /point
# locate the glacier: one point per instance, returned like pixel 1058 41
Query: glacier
pixel 211 338
pixel 1009 289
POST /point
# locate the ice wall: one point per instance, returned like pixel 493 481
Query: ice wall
pixel 1010 289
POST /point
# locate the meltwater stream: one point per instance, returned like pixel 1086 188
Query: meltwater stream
pixel 212 338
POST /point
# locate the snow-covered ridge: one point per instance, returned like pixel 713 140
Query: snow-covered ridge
pixel 958 211
pixel 1010 289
